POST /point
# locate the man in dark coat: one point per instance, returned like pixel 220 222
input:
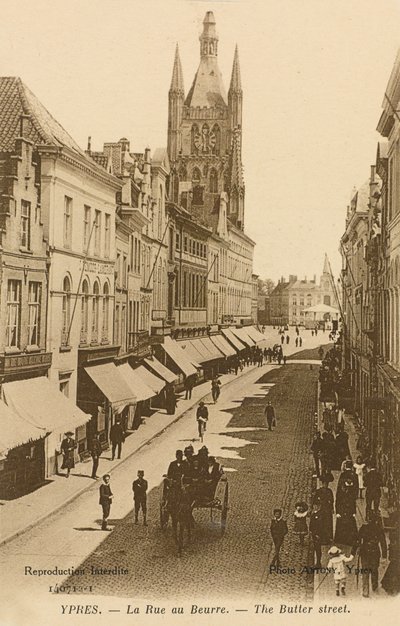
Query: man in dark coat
pixel 316 448
pixel 175 469
pixel 189 382
pixel 270 414
pixel 95 451
pixel 324 497
pixel 105 500
pixel 317 531
pixel 346 525
pixel 170 399
pixel 371 544
pixel 68 446
pixel 278 530
pixel 373 483
pixel 139 488
pixel 117 438
pixel 201 418
pixel 342 447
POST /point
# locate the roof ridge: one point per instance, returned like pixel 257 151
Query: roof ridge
pixel 26 106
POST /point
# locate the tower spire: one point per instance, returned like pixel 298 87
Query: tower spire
pixel 177 74
pixel 326 269
pixel 236 82
pixel 209 37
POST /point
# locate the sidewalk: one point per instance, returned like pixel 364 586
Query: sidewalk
pixel 18 516
pixel 324 586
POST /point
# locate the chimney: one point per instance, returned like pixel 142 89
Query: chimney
pixel 315 279
pixel 89 144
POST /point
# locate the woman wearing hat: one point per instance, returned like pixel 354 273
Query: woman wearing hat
pixel 346 532
pixel 300 527
pixel 68 446
pixel 337 563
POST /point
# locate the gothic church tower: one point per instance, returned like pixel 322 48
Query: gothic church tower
pixel 205 135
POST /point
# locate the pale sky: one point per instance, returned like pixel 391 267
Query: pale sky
pixel 313 72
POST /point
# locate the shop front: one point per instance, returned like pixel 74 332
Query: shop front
pixel 110 397
pixel 39 402
pixel 22 458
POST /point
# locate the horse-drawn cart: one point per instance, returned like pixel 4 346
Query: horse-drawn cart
pixel 178 501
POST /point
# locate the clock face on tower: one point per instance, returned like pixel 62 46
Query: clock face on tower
pixel 205 140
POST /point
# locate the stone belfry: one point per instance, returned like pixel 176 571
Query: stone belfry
pixel 205 135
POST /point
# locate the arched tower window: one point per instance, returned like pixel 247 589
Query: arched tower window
pixel 213 181
pixel 197 197
pixel 195 136
pixel 215 139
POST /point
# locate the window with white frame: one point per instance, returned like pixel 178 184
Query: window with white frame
pixel 97 232
pixel 66 311
pixel 13 313
pixel 67 222
pixel 34 298
pixel 86 227
pixel 25 224
pixel 106 312
pixel 95 312
pixel 84 312
pixel 107 234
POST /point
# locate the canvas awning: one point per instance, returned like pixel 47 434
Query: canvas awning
pixel 243 336
pixel 211 347
pixel 228 334
pixel 255 335
pixel 223 345
pixel 161 370
pixel 195 352
pixel 15 431
pixel 135 382
pixel 179 357
pixel 112 384
pixel 154 382
pixel 40 402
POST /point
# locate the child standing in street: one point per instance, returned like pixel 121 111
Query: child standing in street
pixel 278 531
pixel 359 468
pixel 300 520
pixel 337 564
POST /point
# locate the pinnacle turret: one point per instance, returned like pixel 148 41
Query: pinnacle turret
pixel 236 82
pixel 209 37
pixel 177 74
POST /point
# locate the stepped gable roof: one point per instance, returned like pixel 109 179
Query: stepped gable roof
pixel 360 199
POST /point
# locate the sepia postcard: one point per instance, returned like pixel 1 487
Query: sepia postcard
pixel 199 312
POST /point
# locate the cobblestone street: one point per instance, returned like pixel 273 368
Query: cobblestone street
pixel 274 472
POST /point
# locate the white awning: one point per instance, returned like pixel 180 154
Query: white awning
pixel 192 351
pixel 135 382
pixel 211 348
pixel 243 336
pixel 40 402
pixel 112 384
pixel 228 334
pixel 154 382
pixel 255 334
pixel 15 431
pixel 161 370
pixel 223 345
pixel 179 357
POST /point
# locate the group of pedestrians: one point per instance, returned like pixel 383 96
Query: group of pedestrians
pixel 139 488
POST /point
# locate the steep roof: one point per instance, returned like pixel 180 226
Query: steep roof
pixel 41 127
pixel 177 74
pixel 207 89
pixel 236 81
